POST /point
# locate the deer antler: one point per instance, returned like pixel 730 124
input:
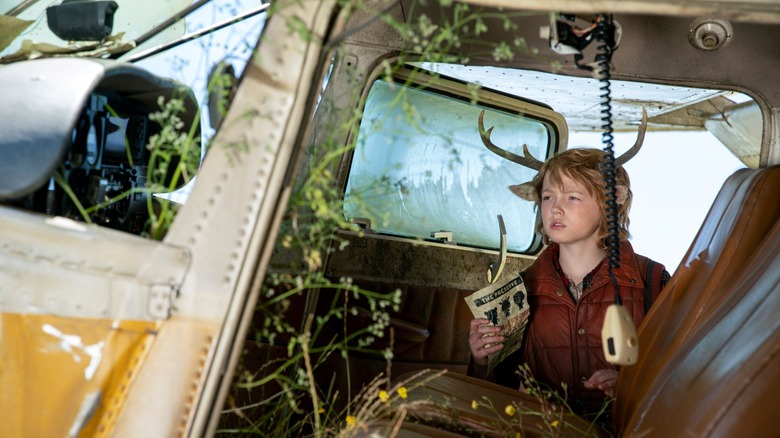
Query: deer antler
pixel 526 160
pixel 640 138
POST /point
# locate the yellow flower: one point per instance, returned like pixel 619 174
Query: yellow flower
pixel 510 410
pixel 384 396
pixel 518 435
pixel 555 423
pixel 402 392
pixel 474 405
pixel 351 420
pixel 321 410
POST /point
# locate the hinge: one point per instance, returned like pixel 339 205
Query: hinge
pixel 442 236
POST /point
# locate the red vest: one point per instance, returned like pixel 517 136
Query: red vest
pixel 563 338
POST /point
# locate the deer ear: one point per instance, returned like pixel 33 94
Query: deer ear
pixel 621 194
pixel 524 190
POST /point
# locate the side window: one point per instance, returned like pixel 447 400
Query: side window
pixel 420 167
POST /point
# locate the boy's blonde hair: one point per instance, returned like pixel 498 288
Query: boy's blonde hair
pixel 584 166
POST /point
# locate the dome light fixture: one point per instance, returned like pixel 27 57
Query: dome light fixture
pixel 710 34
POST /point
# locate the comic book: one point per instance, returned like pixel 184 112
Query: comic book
pixel 505 305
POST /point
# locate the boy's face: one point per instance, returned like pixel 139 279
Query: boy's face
pixel 570 215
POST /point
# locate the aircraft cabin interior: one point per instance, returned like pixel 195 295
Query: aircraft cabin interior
pixel 353 190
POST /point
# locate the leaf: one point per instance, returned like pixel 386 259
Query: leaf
pixel 10 28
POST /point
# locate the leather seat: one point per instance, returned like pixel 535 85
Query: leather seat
pixel 455 403
pixel 727 266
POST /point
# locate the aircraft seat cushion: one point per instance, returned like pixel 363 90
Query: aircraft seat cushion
pixel 428 326
pixel 743 213
pixel 447 402
pixel 723 380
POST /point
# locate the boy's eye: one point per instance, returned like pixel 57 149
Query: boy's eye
pixel 546 198
pixel 574 198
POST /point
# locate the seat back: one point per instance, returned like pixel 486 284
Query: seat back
pixel 714 324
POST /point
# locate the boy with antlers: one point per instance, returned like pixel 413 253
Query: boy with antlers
pixel 569 288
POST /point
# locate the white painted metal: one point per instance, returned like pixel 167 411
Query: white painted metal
pixel 228 225
pixel 55 266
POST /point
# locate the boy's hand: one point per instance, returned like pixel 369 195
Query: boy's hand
pixel 484 340
pixel 604 380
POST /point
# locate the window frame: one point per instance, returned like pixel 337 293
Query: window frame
pixel 413 75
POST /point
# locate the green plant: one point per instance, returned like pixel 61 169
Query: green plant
pixel 173 158
pixel 282 396
pixel 293 401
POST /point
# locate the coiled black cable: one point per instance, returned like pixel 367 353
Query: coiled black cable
pixel 605 35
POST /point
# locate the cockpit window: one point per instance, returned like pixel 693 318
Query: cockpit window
pixel 420 169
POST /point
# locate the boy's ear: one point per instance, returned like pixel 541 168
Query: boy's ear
pixel 621 194
pixel 524 190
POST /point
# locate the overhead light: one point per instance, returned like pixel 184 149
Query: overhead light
pixel 710 34
pixel 82 20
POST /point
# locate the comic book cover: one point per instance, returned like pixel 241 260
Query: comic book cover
pixel 505 305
